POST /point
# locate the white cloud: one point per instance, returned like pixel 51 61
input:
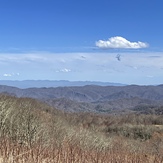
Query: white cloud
pixel 7 75
pixel 120 43
pixel 64 70
pixel 12 74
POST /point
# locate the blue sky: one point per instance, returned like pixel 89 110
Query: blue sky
pixel 80 40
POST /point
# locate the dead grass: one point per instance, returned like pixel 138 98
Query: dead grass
pixel 71 154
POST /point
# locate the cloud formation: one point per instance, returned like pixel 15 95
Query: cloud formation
pixel 135 67
pixel 64 70
pixel 12 74
pixel 7 75
pixel 120 43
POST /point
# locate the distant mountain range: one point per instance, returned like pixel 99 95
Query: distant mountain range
pixel 53 83
pixel 94 98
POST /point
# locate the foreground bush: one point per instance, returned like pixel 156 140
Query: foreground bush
pixel 31 131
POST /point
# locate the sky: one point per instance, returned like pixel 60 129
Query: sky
pixel 89 40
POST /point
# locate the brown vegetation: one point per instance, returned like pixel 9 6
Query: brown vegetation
pixel 31 131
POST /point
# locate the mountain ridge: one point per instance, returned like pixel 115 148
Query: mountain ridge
pixel 53 83
pixel 92 98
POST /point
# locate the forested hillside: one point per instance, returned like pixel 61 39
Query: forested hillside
pixel 106 99
pixel 32 131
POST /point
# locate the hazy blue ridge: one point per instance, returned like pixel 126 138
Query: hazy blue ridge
pixel 53 83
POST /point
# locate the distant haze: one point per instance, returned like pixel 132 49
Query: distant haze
pixel 52 83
